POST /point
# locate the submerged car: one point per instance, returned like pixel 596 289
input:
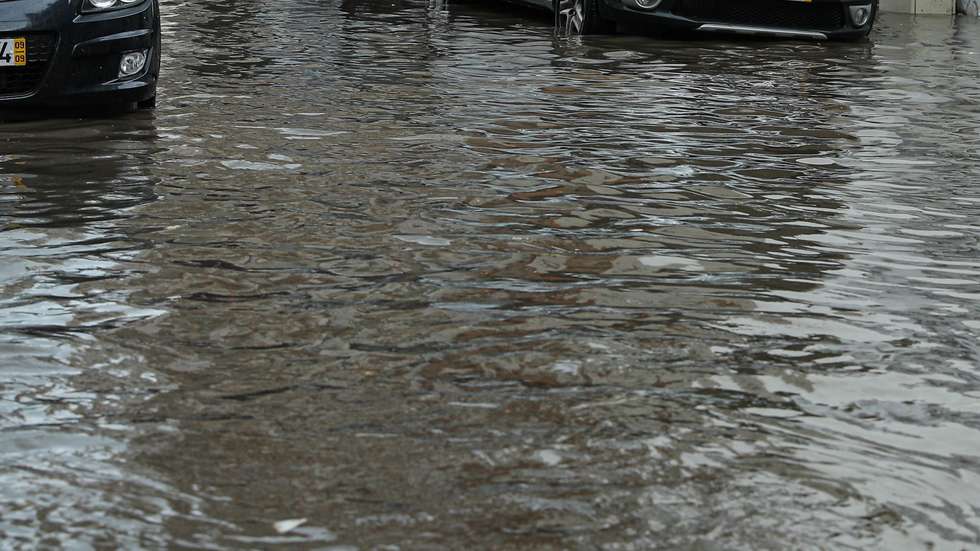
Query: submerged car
pixel 75 53
pixel 808 19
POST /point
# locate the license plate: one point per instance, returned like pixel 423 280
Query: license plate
pixel 13 52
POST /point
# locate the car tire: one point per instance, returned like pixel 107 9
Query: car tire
pixel 580 17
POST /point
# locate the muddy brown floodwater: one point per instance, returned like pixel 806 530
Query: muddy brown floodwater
pixel 431 279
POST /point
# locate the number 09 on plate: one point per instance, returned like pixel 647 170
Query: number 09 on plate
pixel 13 52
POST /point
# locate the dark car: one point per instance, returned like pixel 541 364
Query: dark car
pixel 74 53
pixel 811 19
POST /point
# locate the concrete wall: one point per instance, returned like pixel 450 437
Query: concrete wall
pixel 935 7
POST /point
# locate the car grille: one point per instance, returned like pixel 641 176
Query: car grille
pixel 17 81
pixel 765 13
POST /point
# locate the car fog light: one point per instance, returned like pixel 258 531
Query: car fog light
pixel 132 63
pixel 860 14
pixel 647 4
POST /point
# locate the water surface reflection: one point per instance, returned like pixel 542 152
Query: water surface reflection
pixel 428 278
pixel 66 186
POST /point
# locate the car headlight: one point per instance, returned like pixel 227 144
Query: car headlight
pixel 89 6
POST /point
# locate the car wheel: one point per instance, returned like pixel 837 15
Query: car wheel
pixel 580 17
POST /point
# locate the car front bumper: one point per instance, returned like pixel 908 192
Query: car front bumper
pixel 73 58
pixel 817 19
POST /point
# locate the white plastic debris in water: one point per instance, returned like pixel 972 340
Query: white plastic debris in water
pixel 288 525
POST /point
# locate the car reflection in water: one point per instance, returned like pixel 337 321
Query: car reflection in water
pixel 65 188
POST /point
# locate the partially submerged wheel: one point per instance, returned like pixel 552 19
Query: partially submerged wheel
pixel 578 17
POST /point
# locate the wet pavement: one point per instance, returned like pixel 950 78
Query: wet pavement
pixel 432 279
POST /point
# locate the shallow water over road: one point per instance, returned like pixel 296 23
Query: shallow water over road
pixel 430 279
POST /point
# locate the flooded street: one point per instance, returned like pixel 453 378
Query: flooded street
pixel 430 278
